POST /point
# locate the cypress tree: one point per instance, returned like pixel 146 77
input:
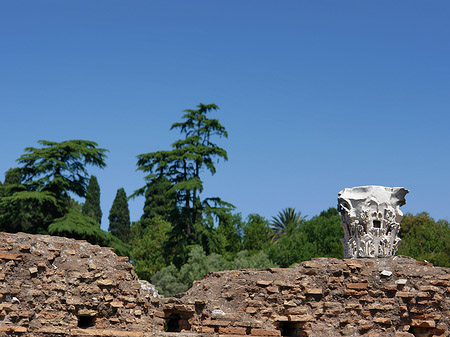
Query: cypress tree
pixel 119 216
pixel 91 206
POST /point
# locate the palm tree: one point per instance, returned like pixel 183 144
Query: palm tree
pixel 285 222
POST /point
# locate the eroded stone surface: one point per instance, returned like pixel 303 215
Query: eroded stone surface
pixel 371 219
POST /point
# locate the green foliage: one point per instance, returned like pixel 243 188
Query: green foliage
pixel 149 237
pixel 119 216
pixel 160 199
pixel 27 211
pixel 78 226
pixel 199 264
pixel 257 261
pixel 256 233
pixel 167 283
pixel 169 280
pixel 81 227
pixel 91 206
pixel 325 233
pixel 230 230
pixel 60 168
pixel 286 223
pixel 318 237
pixel 182 166
pixel 423 238
pixel 13 177
pixel 38 192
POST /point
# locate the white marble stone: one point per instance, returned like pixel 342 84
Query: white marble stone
pixel 371 219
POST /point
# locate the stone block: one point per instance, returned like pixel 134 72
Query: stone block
pixel 251 310
pixel 264 283
pixel 116 304
pixel 352 292
pixel 428 288
pixel 382 320
pixel 423 323
pixel 272 289
pixel 10 256
pixel 207 329
pixel 265 332
pixel 106 282
pixel 353 306
pixel 390 287
pixel 441 283
pixel 313 291
pixel 105 333
pixel 301 318
pixel 232 330
pixel 357 286
pixel 214 322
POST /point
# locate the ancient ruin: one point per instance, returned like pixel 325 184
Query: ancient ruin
pixel 371 219
pixel 53 286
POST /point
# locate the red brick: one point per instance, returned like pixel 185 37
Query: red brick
pixel 265 332
pixel 352 292
pixel 357 286
pixel 231 330
pixel 423 323
pixel 10 256
pixel 382 320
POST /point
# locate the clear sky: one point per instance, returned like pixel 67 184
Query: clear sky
pixel 316 95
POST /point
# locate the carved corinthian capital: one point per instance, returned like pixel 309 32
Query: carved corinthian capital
pixel 371 219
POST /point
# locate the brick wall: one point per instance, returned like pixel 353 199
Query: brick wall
pixel 52 286
pixel 323 297
pixel 59 286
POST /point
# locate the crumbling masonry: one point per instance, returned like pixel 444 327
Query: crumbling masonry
pixel 53 286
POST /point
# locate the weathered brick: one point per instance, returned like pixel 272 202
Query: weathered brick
pixel 265 332
pixel 382 320
pixel 264 283
pixel 232 330
pixel 357 286
pixel 105 333
pixel 442 283
pixel 313 291
pixel 10 256
pixel 207 329
pixel 352 292
pixel 423 323
pixel 353 306
pixel 213 322
pixel 301 318
pixel 429 288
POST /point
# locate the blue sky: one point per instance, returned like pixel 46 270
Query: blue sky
pixel 316 95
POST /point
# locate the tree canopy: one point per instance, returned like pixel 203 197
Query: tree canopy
pixel 174 181
pixel 91 206
pixel 119 216
pixel 60 168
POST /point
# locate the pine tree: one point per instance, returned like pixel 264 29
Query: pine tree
pixel 183 164
pixel 160 200
pixel 40 190
pixel 119 216
pixel 91 206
